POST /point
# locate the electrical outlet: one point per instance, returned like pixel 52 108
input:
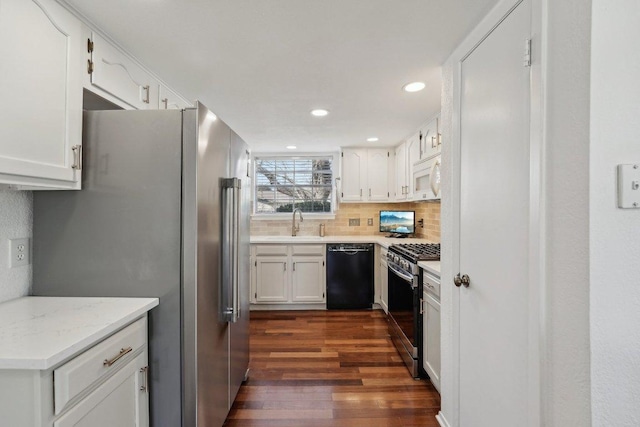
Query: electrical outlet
pixel 20 252
pixel 370 221
pixel 354 222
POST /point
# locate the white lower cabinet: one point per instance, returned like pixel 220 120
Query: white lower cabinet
pixel 288 274
pixel 271 275
pixel 384 281
pixel 104 386
pixel 121 401
pixel 431 330
pixel 307 279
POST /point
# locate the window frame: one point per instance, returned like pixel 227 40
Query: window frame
pixel 289 156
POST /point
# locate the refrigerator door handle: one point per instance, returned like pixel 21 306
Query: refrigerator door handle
pixel 230 250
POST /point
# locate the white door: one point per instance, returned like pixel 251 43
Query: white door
pixel 377 169
pixel 307 279
pixel 494 227
pixel 354 175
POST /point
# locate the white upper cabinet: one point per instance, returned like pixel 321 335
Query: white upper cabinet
pixel 116 74
pixel 377 175
pixel 170 100
pixel 354 174
pixel 431 139
pixel 364 176
pixel 402 181
pixel 41 90
pixel 413 155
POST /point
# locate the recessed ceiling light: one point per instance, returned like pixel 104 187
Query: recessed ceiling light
pixel 291 147
pixel 414 87
pixel 372 139
pixel 319 112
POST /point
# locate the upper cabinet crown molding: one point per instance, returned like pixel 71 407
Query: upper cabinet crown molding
pixel 41 121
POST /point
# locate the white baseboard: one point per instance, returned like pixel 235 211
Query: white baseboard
pixel 442 420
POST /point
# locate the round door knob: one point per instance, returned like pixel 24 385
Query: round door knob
pixel 466 281
pixel 457 280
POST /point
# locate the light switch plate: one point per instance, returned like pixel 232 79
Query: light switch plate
pixel 629 186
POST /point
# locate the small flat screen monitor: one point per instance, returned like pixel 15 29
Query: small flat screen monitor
pixel 398 222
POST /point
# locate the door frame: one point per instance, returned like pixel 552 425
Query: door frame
pixel 537 286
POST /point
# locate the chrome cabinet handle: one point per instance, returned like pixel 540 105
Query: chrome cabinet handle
pixel 294 266
pixel 123 352
pixel 285 266
pixel 145 378
pixel 146 98
pixel 421 306
pixel 77 157
pixel 361 192
pixel 369 192
pixel 166 103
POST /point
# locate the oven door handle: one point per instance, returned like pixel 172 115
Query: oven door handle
pixel 404 276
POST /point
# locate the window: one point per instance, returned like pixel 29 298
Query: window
pixel 283 184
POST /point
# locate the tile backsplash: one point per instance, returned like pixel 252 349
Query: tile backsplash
pixel 428 211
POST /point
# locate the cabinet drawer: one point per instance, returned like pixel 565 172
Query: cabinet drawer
pixel 99 361
pixel 271 250
pixel 431 284
pixel 307 250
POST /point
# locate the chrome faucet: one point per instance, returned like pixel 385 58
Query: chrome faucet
pixel 295 228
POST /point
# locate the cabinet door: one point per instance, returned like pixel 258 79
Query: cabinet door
pixel 384 284
pixel 354 175
pixel 169 100
pixel 308 279
pixel 401 172
pixel 120 76
pixel 377 169
pixel 413 155
pixel 122 400
pixel 271 279
pixel 41 92
pixel 432 140
pixel 431 338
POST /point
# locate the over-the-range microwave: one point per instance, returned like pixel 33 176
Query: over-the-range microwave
pixel 426 179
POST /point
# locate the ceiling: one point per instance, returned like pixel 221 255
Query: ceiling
pixel 263 65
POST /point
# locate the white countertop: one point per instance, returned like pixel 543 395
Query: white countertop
pixel 431 266
pixel 380 240
pixel 41 332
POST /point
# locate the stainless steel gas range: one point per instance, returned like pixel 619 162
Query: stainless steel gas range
pixel 405 290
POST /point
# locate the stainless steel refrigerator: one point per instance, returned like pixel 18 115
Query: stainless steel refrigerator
pixel 163 212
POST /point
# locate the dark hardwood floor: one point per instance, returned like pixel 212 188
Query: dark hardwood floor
pixel 329 368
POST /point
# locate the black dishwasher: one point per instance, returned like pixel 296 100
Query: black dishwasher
pixel 349 276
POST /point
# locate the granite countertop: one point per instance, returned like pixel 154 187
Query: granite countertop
pixel 41 332
pixel 380 240
pixel 432 267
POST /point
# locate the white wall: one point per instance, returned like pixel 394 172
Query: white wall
pixel 565 382
pixel 614 233
pixel 16 221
